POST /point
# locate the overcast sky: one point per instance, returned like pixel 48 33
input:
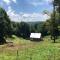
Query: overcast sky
pixel 27 10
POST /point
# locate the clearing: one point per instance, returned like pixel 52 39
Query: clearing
pixel 21 49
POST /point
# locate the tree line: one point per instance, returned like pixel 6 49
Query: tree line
pixel 20 29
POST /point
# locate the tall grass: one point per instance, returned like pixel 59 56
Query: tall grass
pixel 44 50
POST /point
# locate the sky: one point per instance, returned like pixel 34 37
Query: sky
pixel 27 10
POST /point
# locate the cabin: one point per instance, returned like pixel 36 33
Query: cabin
pixel 35 36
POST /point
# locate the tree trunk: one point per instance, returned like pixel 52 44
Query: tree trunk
pixel 54 22
pixel 2 40
pixel 54 39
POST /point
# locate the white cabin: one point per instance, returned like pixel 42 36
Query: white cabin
pixel 36 36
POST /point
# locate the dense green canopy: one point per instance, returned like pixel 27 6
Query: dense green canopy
pixel 4 25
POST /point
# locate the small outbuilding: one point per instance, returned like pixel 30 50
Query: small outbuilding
pixel 36 36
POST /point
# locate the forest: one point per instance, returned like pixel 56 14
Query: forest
pixel 23 29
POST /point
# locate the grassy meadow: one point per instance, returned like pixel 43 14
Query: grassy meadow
pixel 22 49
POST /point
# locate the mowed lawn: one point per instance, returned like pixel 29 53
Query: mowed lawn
pixel 22 49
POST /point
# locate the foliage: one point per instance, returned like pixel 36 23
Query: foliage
pixel 23 30
pixel 5 27
pixel 40 27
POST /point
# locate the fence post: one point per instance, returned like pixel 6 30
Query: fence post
pixel 54 54
pixel 30 56
pixel 17 57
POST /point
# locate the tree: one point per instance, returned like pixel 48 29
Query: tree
pixel 4 25
pixel 44 29
pixel 57 3
pixel 23 30
pixel 54 26
pixel 15 26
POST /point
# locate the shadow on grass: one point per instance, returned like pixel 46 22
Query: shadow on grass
pixel 36 40
pixel 57 41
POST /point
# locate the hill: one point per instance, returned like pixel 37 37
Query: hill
pixel 33 23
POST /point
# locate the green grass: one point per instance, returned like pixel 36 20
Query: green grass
pixel 28 50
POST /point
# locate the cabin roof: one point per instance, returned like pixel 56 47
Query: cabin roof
pixel 35 35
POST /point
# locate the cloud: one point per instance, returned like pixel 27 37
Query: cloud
pixel 43 2
pixel 49 0
pixel 9 1
pixel 6 1
pixel 32 15
pixel 27 17
pixel 36 3
pixel 35 17
pixel 14 1
pixel 17 17
pixel 12 15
